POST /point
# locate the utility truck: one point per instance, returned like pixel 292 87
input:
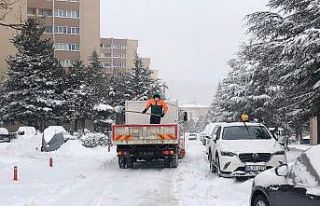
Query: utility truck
pixel 139 141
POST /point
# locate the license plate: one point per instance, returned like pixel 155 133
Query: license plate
pixel 255 168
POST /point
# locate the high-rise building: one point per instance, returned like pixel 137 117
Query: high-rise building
pixel 73 26
pixel 118 55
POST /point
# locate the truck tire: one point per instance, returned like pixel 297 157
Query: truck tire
pixel 171 162
pixel 130 161
pixel 122 161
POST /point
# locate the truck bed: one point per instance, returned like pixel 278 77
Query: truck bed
pixel 146 134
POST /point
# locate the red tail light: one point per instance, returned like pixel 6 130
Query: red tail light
pixel 168 152
pixel 122 153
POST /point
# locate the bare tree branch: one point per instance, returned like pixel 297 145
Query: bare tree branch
pixel 5 9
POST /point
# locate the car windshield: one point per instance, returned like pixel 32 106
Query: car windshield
pixel 245 133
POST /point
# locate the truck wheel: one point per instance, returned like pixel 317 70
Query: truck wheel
pixel 130 161
pixel 174 162
pixel 122 161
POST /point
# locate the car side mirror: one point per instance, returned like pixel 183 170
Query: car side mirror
pixel 214 137
pixel 282 170
pixel 185 116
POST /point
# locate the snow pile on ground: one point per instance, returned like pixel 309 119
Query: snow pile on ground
pixel 92 140
pixel 90 176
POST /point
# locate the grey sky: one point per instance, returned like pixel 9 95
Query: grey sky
pixel 189 41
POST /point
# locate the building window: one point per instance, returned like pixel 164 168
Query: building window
pixel 67 47
pixel 66 63
pixel 106 55
pixel 118 55
pixel 107 65
pixel 66 30
pixel 45 12
pixel 32 11
pixel 66 14
pixel 119 46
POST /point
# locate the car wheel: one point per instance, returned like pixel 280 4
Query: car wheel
pixel 213 168
pixel 218 165
pixel 260 200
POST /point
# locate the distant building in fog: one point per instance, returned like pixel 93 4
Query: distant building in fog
pixel 195 112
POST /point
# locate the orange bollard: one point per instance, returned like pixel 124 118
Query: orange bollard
pixel 51 162
pixel 15 173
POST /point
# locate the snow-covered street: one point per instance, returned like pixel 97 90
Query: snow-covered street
pixel 82 176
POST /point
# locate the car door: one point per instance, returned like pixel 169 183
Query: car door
pixel 215 143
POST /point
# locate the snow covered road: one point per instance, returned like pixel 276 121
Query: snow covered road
pixel 90 177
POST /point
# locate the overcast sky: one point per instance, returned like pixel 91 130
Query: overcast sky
pixel 188 41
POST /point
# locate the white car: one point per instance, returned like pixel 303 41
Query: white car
pixel 192 136
pixel 207 133
pixel 26 131
pixel 244 150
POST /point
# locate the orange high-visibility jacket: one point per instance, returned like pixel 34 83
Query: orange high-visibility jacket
pixel 160 104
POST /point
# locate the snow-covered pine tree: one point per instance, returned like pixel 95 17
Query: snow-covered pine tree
pixel 141 85
pixel 33 91
pixel 75 94
pixel 92 90
pixel 216 113
pixel 118 90
pixel 294 29
pixel 95 78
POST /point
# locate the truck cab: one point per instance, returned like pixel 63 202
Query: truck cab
pixel 139 141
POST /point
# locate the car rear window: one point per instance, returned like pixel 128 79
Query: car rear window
pixel 245 133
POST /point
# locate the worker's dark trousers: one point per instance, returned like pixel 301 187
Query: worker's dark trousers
pixel 155 120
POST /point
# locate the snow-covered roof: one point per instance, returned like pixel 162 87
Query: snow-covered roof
pixel 103 107
pixel 49 132
pixel 27 130
pixel 210 127
pixel 234 124
pixel 4 131
pixel 314 154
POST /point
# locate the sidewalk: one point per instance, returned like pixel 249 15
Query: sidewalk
pixel 300 147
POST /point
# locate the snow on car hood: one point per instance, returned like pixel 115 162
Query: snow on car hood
pixel 250 146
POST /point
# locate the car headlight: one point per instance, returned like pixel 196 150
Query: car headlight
pixel 228 154
pixel 280 153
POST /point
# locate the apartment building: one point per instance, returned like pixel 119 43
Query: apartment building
pixel 118 55
pixel 73 26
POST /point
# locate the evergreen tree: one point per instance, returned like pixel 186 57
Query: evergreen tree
pixel 141 85
pixel 118 90
pixel 33 91
pixel 75 94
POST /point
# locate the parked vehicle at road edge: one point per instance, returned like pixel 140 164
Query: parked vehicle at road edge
pixel 296 184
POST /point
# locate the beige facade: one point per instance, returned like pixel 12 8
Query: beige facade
pixel 73 25
pixel 195 112
pixel 118 56
pixel 17 15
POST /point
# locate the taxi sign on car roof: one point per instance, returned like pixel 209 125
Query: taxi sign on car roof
pixel 244 117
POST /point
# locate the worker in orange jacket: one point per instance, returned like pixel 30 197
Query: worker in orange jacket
pixel 159 109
